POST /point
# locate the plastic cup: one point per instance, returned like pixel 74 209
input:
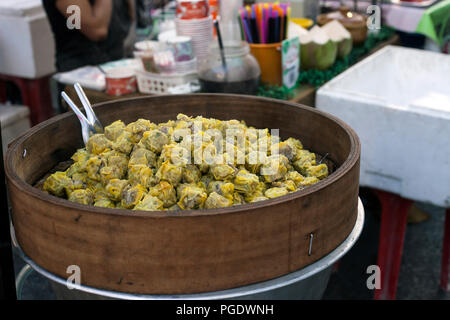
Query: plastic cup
pixel 269 59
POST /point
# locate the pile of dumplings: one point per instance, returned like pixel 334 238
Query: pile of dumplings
pixel 174 166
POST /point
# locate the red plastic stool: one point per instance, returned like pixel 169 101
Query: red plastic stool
pixel 35 95
pixel 394 215
pixel 2 92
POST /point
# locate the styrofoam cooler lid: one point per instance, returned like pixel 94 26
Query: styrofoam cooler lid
pixel 21 8
pixel 10 114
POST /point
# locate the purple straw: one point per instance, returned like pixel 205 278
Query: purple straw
pixel 242 14
pixel 245 22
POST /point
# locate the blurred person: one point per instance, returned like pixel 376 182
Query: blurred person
pixel 104 27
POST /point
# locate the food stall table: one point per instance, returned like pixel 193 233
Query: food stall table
pixel 398 101
pixel 96 96
pixel 401 15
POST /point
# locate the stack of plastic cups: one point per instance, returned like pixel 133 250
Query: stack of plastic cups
pixel 194 20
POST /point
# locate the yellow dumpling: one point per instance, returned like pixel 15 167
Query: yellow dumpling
pixel 246 182
pixel 192 198
pixel 154 140
pixel 98 143
pixel 114 130
pixel 57 183
pixel 140 174
pixel 82 196
pixel 114 189
pixel 150 203
pixel 132 195
pixel 170 173
pixel 319 171
pixel 182 164
pixel 165 192
pixel 215 200
pixel 275 192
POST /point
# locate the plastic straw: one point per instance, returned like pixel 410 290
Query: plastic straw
pixel 259 19
pixel 246 25
pixel 265 22
pixel 241 19
pixel 263 29
pixel 288 18
pixel 222 51
pixel 281 18
pixel 277 27
pixel 254 26
pixel 241 28
pixel 270 26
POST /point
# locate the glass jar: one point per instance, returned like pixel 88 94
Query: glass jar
pixel 240 74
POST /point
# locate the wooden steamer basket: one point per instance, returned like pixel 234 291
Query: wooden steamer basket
pixel 191 251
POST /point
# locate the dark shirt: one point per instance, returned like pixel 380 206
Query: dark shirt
pixel 74 49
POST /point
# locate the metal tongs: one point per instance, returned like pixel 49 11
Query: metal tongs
pixel 89 125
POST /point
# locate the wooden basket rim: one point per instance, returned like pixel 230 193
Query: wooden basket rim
pixel 30 190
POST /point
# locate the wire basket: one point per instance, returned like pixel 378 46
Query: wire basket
pixel 160 83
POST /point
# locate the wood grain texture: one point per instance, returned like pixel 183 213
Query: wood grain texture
pixel 189 251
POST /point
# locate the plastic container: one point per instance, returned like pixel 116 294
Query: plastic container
pixel 241 74
pixel 27 45
pixel 184 67
pixel 160 83
pixel 181 47
pixel 192 9
pixel 147 45
pixel 397 100
pixel 214 8
pixel 146 57
pixel 200 31
pixel 269 57
pixel 120 81
pixel 303 22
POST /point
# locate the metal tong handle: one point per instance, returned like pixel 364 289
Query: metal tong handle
pixel 89 111
pixel 86 128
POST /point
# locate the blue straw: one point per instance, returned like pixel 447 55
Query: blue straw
pixel 247 31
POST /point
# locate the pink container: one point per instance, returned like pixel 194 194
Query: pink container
pixel 120 82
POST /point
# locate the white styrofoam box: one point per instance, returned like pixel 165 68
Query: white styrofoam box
pixel 398 102
pixel 27 48
pixel 14 121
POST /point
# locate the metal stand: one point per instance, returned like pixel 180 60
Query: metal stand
pixel 7 285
